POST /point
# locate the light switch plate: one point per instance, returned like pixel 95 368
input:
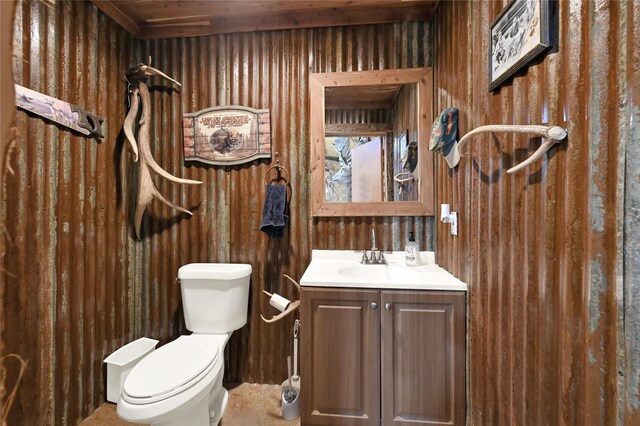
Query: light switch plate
pixel 453 217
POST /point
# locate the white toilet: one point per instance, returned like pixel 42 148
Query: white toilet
pixel 181 383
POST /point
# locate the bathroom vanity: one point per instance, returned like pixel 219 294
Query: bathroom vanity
pixel 381 344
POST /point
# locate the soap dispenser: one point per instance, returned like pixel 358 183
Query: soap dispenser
pixel 412 251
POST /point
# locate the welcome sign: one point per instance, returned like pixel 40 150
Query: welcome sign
pixel 227 135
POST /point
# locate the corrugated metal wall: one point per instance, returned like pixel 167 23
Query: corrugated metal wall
pixel 76 283
pixel 543 250
pixel 69 287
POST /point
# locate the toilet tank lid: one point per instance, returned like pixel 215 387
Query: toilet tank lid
pixel 207 271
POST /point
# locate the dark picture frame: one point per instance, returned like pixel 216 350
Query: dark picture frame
pixel 518 34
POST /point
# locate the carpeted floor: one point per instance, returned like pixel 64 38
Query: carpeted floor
pixel 249 404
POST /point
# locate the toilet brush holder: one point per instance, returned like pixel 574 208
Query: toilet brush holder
pixel 290 403
pixel 290 408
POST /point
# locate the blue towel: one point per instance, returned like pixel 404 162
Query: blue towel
pixel 274 214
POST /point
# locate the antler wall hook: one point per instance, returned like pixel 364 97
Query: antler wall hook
pixel 551 134
pixel 147 191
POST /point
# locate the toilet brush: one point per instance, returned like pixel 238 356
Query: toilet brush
pixel 290 397
pixel 295 379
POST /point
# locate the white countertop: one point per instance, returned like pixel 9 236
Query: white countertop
pixel 342 269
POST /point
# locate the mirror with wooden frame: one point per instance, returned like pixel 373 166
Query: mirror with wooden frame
pixel 362 127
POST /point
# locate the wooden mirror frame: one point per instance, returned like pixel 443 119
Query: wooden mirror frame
pixel 317 84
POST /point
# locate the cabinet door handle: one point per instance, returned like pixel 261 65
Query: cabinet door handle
pixel 374 305
pixel 387 306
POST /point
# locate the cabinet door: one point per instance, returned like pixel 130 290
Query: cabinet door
pixel 423 358
pixel 340 353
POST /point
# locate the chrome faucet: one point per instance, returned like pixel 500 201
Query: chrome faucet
pixel 373 259
pixel 373 241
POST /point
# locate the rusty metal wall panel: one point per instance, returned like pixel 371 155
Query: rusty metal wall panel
pixel 76 283
pixel 543 250
pixel 630 113
pixel 66 272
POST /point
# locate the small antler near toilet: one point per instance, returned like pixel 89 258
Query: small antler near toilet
pixel 282 304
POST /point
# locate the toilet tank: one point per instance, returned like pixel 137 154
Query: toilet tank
pixel 215 296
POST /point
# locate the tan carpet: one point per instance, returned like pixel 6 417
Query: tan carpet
pixel 249 404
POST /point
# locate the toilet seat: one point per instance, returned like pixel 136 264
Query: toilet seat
pixel 172 369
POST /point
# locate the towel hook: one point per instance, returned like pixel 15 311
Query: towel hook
pixel 279 170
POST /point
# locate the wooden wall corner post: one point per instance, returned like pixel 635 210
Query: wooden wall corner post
pixel 425 156
pixel 316 112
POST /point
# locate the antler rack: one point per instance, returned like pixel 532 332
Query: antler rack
pixel 551 134
pixel 147 191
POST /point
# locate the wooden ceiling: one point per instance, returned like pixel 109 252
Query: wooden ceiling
pixel 153 19
pixel 361 97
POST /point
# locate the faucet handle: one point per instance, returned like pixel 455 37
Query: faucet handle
pixel 364 259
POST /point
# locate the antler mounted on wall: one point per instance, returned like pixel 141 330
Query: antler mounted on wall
pixel 551 134
pixel 138 90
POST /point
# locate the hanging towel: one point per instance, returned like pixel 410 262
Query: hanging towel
pixel 275 213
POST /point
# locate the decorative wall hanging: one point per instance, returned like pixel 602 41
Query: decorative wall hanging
pixel 138 90
pixel 61 112
pixel 444 133
pixel 227 135
pixel 518 34
pixel 551 135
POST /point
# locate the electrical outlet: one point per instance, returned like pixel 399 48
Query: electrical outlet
pixel 453 220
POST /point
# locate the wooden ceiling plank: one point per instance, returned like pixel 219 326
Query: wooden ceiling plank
pixel 154 19
pixel 111 10
pixel 305 19
pixel 174 31
pixel 150 10
pixel 357 129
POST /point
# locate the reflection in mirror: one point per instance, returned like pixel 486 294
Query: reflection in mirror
pixel 369 143
pixel 376 162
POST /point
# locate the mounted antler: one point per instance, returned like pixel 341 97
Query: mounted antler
pixel 137 76
pixel 551 134
pixel 292 306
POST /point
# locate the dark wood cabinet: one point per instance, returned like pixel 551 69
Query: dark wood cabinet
pixel 343 385
pixel 382 357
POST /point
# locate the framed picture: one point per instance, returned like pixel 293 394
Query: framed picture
pixel 518 34
pixel 227 135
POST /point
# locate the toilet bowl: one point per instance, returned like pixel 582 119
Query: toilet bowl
pixel 167 386
pixel 181 383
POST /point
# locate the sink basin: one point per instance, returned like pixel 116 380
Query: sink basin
pixel 342 268
pixel 382 273
pixel 365 272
